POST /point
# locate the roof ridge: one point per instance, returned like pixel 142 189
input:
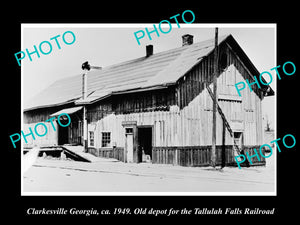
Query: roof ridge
pixel 164 52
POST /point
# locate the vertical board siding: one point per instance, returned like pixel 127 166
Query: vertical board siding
pixel 199 155
pixel 246 111
pixel 42 114
pixel 50 139
pixel 114 153
pixel 251 152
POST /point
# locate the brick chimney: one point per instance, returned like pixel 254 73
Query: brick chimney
pixel 187 39
pixel 149 50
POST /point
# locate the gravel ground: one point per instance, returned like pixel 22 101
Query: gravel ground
pixel 108 176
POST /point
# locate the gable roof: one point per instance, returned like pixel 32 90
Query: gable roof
pixel 156 71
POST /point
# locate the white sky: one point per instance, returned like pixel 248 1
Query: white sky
pixel 107 44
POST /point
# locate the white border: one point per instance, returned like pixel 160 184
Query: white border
pixel 137 25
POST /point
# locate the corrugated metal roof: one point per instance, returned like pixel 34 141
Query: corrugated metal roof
pixel 159 69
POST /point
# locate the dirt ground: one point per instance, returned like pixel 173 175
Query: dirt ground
pixel 109 176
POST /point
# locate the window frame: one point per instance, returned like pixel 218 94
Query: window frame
pixel 91 140
pixel 104 143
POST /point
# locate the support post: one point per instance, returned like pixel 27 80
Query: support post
pixel 215 99
pixel 85 130
pixel 223 153
pixel 86 67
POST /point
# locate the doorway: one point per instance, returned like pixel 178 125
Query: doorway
pixel 63 135
pixel 238 139
pixel 145 144
pixel 129 144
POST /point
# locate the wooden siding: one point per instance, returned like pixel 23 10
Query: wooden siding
pixel 185 156
pixel 115 153
pixel 192 155
pixel 200 155
pixel 170 128
pixel 250 151
pixel 157 100
pixel 50 139
pixel 195 81
pixel 31 118
pixel 43 114
pixel 75 131
pixel 193 99
pixel 98 110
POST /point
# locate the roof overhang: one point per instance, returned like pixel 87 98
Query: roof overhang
pixel 50 105
pixel 67 111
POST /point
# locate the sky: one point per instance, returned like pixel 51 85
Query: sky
pixel 108 44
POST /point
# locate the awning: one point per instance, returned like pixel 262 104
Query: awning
pixel 68 111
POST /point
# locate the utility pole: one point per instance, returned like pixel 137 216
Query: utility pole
pixel 86 67
pixel 215 99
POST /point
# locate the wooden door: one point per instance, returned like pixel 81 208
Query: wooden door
pixel 129 145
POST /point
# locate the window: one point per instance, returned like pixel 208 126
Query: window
pixel 91 138
pixel 105 139
pixel 129 131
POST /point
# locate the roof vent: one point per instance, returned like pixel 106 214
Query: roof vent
pixel 149 50
pixel 187 39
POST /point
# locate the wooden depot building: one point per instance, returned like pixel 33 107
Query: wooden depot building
pixel 159 107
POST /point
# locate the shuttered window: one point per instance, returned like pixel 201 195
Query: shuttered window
pixel 232 109
pixel 236 110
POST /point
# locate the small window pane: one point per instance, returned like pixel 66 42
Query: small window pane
pixel 105 139
pixel 129 130
pixel 91 138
